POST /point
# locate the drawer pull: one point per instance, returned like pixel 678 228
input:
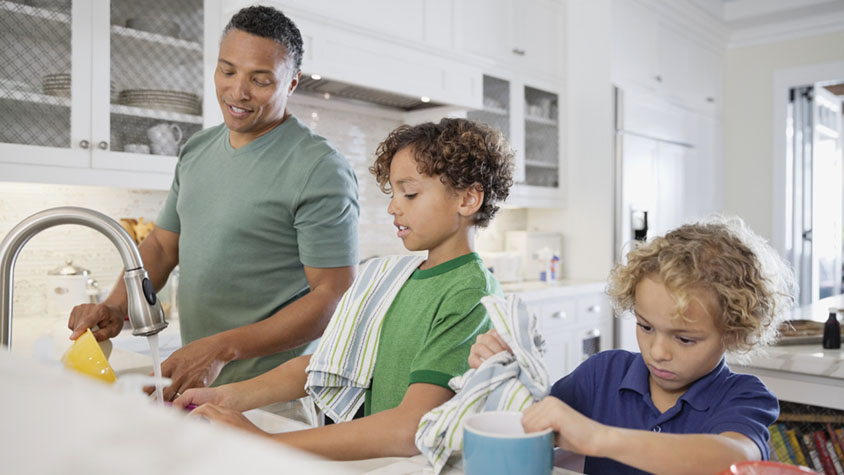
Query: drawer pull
pixel 558 315
pixel 594 309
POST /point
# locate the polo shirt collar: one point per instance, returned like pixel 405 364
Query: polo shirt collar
pixel 698 396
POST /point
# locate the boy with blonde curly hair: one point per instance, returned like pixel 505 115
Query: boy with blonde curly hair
pixel 698 292
pixel 405 326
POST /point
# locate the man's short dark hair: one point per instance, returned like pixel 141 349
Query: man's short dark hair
pixel 267 22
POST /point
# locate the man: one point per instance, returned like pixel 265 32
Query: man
pixel 262 219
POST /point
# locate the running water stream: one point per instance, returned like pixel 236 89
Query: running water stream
pixel 156 366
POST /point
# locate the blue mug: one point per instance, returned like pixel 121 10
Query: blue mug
pixel 494 443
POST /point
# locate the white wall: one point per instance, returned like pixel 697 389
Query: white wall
pixel 588 219
pixel 748 121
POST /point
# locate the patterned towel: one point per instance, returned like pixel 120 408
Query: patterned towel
pixel 505 382
pixel 341 367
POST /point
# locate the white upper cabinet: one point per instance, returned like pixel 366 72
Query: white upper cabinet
pixel 99 93
pixel 659 54
pixel 523 36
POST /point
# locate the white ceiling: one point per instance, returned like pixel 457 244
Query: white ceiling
pixel 760 21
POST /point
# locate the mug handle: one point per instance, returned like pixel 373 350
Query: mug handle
pixel 178 130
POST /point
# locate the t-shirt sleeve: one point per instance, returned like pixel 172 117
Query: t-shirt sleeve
pixel 445 353
pixel 326 215
pixel 575 388
pixel 749 410
pixel 168 217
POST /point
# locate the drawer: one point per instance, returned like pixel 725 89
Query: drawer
pixel 556 313
pixel 593 308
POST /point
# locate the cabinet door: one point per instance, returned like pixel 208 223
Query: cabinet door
pixel 147 94
pixel 44 79
pixel 488 28
pixel 538 37
pixel 542 138
pixel 634 45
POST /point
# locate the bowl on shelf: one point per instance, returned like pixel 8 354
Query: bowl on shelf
pixel 155 25
pixel 55 5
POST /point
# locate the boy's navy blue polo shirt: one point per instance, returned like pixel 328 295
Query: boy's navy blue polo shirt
pixel 612 388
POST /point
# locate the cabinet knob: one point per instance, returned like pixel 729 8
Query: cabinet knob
pixel 658 78
pixel 84 143
pixel 594 309
pixel 710 99
pixel 103 145
pixel 519 52
pixel 558 315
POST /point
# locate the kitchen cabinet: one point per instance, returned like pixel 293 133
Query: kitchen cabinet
pixel 576 322
pixel 529 118
pixel 421 22
pixel 523 36
pixel 82 83
pixel 655 53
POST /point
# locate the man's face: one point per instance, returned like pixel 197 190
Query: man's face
pixel 253 82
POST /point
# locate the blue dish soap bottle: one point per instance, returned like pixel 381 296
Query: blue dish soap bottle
pixel 832 331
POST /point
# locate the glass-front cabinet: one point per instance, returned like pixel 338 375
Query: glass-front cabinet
pixel 90 84
pixel 529 117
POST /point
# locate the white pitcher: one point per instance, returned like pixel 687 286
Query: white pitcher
pixel 164 139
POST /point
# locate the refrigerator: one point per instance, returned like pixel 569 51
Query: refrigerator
pixel 655 178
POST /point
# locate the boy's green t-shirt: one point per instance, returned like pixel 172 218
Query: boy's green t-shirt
pixel 249 220
pixel 429 329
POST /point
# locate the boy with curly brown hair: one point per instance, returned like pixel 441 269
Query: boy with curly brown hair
pixel 405 326
pixel 699 291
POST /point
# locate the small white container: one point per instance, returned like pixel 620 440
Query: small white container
pixel 67 286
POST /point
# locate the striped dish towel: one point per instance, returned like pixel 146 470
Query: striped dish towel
pixel 341 367
pixel 505 382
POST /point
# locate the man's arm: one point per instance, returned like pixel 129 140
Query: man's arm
pixel 160 254
pixel 198 363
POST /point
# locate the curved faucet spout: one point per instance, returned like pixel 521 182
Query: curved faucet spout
pixel 145 311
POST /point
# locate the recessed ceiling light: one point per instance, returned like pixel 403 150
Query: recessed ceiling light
pixel 316 77
pixel 425 99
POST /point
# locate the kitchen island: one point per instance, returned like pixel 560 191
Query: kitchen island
pixel 806 374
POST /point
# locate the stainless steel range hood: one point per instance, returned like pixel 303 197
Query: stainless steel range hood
pixel 321 87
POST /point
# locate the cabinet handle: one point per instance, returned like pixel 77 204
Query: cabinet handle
pixel 103 145
pixel 658 78
pixel 519 52
pixel 84 143
pixel 558 315
pixel 710 99
pixel 594 309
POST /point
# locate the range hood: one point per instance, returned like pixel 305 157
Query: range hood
pixel 331 87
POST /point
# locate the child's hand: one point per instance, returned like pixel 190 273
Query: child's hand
pixel 574 431
pixel 200 396
pixel 485 346
pixel 227 416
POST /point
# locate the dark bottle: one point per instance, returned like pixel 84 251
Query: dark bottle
pixel 832 331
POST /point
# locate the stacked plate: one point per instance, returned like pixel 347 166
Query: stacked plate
pixel 56 84
pixel 174 101
pixel 155 25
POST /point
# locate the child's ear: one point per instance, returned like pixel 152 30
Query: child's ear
pixel 471 200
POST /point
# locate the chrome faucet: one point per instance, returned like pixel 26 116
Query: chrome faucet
pixel 145 313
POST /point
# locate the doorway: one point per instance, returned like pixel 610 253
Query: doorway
pixel 814 195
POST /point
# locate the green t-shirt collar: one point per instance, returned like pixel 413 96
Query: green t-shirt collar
pixel 260 142
pixel 445 266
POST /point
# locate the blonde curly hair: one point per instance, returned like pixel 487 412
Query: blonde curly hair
pixel 722 257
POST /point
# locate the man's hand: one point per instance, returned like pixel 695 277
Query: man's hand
pixel 195 365
pixel 487 344
pixel 108 317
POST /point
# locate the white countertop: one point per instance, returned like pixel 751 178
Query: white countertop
pixel 540 289
pixel 66 416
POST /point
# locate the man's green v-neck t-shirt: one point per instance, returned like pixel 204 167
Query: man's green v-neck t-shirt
pixel 249 220
pixel 429 328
